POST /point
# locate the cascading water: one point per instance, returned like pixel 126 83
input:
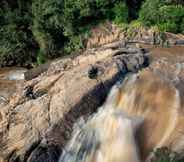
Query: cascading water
pixel 107 136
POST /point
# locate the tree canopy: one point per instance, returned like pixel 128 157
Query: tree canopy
pixel 35 30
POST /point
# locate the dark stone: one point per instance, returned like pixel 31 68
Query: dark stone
pixel 29 92
pixel 45 154
pixel 13 157
pixel 93 72
pixel 33 73
pixel 33 95
pixel 179 42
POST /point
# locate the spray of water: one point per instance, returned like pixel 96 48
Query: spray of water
pixel 107 136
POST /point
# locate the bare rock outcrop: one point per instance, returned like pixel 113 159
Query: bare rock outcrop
pixel 37 121
pixel 11 80
pixel 136 33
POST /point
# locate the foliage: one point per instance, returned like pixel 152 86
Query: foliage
pixel 133 8
pixel 133 28
pixel 47 26
pixel 166 15
pixel 182 26
pixel 172 17
pixel 166 155
pixel 80 16
pixel 120 12
pixel 175 2
pixel 52 26
pixel 41 58
pixel 36 30
pixel 149 13
pixel 16 41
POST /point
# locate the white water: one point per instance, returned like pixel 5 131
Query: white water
pixel 107 136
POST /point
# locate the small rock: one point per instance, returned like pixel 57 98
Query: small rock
pixel 29 92
pixel 93 72
pixel 179 42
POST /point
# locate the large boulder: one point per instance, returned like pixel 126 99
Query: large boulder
pixel 37 120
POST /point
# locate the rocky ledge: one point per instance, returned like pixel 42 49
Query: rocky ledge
pixel 37 121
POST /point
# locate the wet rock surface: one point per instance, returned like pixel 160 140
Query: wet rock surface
pixel 37 120
pixel 11 80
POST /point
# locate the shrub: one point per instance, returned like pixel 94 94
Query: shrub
pixel 166 155
pixel 182 26
pixel 171 17
pixel 120 12
pixel 164 14
pixel 133 28
pixel 41 58
pixel 149 13
pixel 133 8
pixel 75 43
pixel 16 44
pixel 35 30
pixel 80 16
pixel 47 26
pixel 168 27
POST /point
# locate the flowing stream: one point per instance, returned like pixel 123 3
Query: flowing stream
pixel 107 136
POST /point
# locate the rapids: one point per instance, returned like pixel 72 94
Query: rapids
pixel 107 136
pixel 141 114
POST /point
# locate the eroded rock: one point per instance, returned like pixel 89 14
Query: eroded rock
pixel 37 121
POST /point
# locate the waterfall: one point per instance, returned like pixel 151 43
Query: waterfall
pixel 107 136
pixel 150 109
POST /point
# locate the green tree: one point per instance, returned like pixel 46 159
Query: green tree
pixel 16 41
pixel 149 13
pixel 47 27
pixel 166 15
pixel 171 17
pixel 120 12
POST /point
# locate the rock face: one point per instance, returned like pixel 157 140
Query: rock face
pixel 108 33
pixel 37 121
pixel 11 80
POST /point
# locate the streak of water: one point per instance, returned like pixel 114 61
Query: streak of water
pixel 107 136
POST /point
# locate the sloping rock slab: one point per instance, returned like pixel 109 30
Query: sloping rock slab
pixel 38 120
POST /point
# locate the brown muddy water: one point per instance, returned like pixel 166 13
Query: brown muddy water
pixel 109 135
pixel 102 137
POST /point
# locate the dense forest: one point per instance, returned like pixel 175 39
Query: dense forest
pixel 33 31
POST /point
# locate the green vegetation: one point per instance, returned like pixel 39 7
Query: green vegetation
pixel 120 13
pixel 133 27
pixel 166 14
pixel 166 155
pixel 16 43
pixel 33 31
pixel 36 30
